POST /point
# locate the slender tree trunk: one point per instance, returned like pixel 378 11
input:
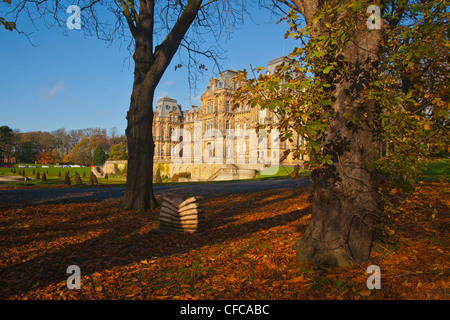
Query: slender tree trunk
pixel 150 65
pixel 346 207
pixel 139 191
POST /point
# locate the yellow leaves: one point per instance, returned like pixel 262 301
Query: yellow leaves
pixel 148 261
pixel 388 230
pixel 232 279
pixel 438 101
pixel 427 126
pixel 364 293
pixel 259 69
pixel 297 279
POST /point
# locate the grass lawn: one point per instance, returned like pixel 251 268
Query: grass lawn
pixel 52 176
pixel 52 171
pixel 440 169
pixel 277 172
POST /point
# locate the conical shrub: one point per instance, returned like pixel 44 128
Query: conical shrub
pixel 59 174
pixel 67 178
pixel 78 180
pixel 158 178
pixel 94 178
pixel 44 177
pixel 91 181
pixel 38 176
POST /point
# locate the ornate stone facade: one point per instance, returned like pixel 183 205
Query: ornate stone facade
pixel 216 139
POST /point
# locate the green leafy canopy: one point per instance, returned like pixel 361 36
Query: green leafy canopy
pixel 410 84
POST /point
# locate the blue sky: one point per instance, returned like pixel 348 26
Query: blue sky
pixel 76 82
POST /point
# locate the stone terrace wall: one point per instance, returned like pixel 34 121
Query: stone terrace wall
pixel 199 172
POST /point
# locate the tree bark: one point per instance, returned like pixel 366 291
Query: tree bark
pixel 139 187
pixel 150 66
pixel 346 207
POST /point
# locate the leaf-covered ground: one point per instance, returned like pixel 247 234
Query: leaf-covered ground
pixel 246 253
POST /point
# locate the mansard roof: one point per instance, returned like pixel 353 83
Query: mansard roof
pixel 166 105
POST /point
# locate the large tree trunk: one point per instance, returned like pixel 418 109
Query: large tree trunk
pixel 346 207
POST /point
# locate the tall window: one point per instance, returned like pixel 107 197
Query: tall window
pixel 262 116
pixel 228 105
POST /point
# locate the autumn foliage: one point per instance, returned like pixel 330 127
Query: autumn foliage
pixel 46 158
pixel 246 253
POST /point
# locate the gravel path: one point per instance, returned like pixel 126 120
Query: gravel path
pixel 40 196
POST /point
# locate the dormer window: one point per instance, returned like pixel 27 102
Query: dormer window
pixel 220 85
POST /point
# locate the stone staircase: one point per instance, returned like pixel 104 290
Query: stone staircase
pixel 231 172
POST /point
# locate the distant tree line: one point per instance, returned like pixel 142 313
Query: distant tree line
pixel 83 146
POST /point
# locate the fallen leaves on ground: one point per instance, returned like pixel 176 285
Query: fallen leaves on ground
pixel 246 252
